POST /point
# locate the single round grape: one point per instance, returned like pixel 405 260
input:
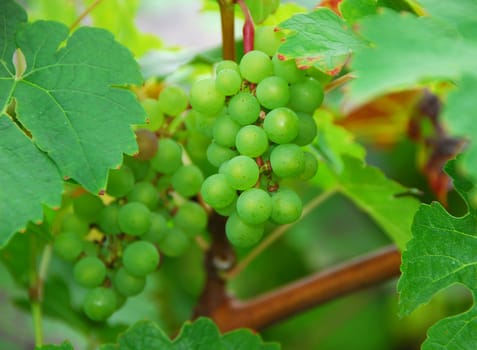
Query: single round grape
pixel 287 160
pixel 89 272
pixel 163 183
pixel 241 234
pixel 311 167
pixel 139 168
pixel 187 180
pixel 134 218
pixel 155 118
pixel 168 157
pixel 140 258
pixel 281 125
pixel 226 64
pixel 108 219
pixel 217 154
pixel 173 100
pixel 158 228
pixel 224 131
pixel 175 242
pixel 254 206
pixel 203 123
pixel 287 69
pixel 273 92
pixel 255 66
pixel 191 217
pixel 99 303
pixel 228 210
pixel 241 172
pixel 72 223
pixel 205 98
pixel 147 144
pixel 286 206
pixel 306 95
pixel 144 192
pixel 68 245
pixel 88 206
pixel 127 284
pixel 244 108
pixel 217 192
pixel 307 129
pixel 267 39
pixel 228 81
pixel 120 181
pixel 251 141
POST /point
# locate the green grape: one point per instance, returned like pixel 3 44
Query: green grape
pixel 241 172
pixel 287 160
pixel 254 206
pixel 244 108
pixel 89 272
pixel 147 144
pixel 281 125
pixel 72 223
pixel 163 184
pixel 228 210
pixel 175 242
pixel 287 69
pixel 127 284
pixel 224 131
pixel 140 258
pixel 217 154
pixel 88 206
pixel 173 100
pixel 168 157
pixel 100 303
pixel 68 245
pixel 154 114
pixel 286 206
pixel 134 219
pixel 228 81
pixel 241 234
pixel 139 168
pixel 306 96
pixel 311 167
pixel 251 141
pixel 120 181
pixel 191 218
pixel 108 219
pixel 267 39
pixel 187 180
pixel 203 123
pixel 145 193
pixel 255 66
pixel 273 92
pixel 307 129
pixel 217 192
pixel 157 230
pixel 226 64
pixel 205 98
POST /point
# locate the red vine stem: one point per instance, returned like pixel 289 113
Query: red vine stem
pixel 309 292
pixel 248 27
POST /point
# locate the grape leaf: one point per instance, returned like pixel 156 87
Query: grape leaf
pixel 28 179
pixel 321 39
pixel 64 346
pixel 442 253
pixel 197 335
pixel 352 10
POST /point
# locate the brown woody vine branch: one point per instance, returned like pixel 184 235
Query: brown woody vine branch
pixel 228 29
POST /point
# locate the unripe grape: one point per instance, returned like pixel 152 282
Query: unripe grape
pixel 191 217
pixel 228 82
pixel 281 125
pixel 154 114
pixel 251 141
pixel 139 168
pixel 244 108
pixel 140 258
pixel 127 284
pixel 267 39
pixel 158 228
pixel 255 66
pixel 68 245
pixel 145 193
pixel 147 144
pixel 286 206
pixel 226 64
pixel 287 70
pixel 311 167
pixel 108 219
pixel 120 181
pixel 175 242
pixel 87 206
pixel 217 192
pixel 72 223
pixel 205 98
pixel 173 100
pixel 168 157
pixel 273 92
pixel 216 154
pixel 241 172
pixel 100 303
pixel 306 96
pixel 287 160
pixel 134 218
pixel 187 180
pixel 89 272
pixel 254 206
pixel 307 129
pixel 225 130
pixel 241 234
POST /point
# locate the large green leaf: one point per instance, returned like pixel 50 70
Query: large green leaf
pixel 440 254
pixel 201 334
pixel 64 346
pixel 321 39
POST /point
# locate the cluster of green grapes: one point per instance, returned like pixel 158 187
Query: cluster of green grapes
pixel 148 209
pixel 260 115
